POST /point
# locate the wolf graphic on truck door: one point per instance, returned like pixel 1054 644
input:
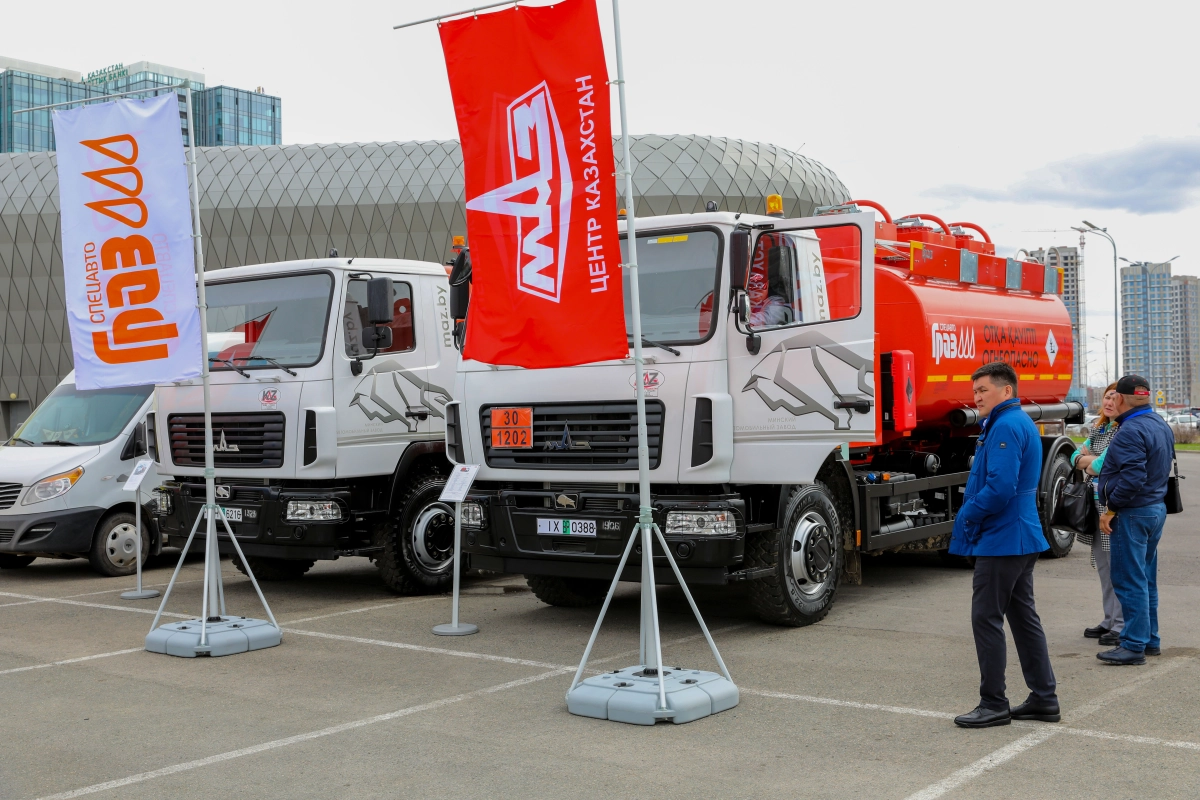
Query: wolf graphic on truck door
pixel 801 365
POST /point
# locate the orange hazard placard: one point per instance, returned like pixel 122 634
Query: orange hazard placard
pixel 512 427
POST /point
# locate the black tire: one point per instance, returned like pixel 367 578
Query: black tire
pixel 274 569
pixel 567 592
pixel 114 549
pixel 418 551
pixel 10 561
pixel 811 537
pixel 1060 539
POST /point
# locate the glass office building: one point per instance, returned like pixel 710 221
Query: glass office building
pixel 26 85
pixel 228 116
pixel 1147 345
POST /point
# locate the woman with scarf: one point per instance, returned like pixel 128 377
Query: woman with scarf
pixel 1090 458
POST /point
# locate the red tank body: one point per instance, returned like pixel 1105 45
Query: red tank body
pixel 948 299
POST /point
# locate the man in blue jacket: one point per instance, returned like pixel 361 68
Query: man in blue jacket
pixel 1133 484
pixel 998 524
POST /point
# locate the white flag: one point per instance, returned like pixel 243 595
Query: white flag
pixel 127 243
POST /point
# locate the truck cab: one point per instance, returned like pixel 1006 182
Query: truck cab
pixel 759 366
pixel 62 477
pixel 328 425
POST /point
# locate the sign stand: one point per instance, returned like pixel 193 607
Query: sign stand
pixel 134 484
pixel 648 692
pixel 214 633
pixel 455 491
pixel 228 634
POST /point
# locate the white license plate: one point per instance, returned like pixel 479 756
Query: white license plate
pixel 232 514
pixel 566 527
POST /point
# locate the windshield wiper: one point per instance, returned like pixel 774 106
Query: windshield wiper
pixel 273 363
pixel 59 443
pixel 231 365
pixel 25 442
pixel 671 350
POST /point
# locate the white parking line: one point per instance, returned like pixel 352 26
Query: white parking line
pixel 1030 740
pixel 66 602
pixel 423 649
pixel 917 712
pixel 71 661
pixel 376 607
pixel 302 737
pixel 20 603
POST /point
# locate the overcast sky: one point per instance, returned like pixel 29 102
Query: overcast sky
pixel 1025 117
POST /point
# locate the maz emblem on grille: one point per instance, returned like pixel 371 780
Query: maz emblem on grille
pixel 566 443
pixel 225 447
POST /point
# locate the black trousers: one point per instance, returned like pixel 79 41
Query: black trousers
pixel 1003 587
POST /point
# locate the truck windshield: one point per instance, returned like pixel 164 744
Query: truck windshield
pixel 72 416
pixel 283 319
pixel 677 275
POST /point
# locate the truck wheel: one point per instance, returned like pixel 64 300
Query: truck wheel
pixel 567 592
pixel 274 569
pixel 114 546
pixel 9 561
pixel 806 556
pixel 1059 538
pixel 418 553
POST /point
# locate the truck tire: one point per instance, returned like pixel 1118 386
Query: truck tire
pixel 567 592
pixel 274 569
pixel 10 561
pixel 418 551
pixel 114 545
pixel 1060 539
pixel 808 544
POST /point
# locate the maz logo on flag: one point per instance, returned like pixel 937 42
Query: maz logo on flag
pixel 139 332
pixel 539 195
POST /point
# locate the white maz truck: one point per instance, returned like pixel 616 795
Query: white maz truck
pixel 330 379
pixel 804 408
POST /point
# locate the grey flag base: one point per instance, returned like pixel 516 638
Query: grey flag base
pixel 215 633
pixel 649 692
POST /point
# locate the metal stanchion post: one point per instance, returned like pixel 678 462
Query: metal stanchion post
pixel 457 486
pixel 139 473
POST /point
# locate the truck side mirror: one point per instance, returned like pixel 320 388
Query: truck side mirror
pixel 135 446
pixel 739 258
pixel 460 294
pixel 377 337
pixel 379 301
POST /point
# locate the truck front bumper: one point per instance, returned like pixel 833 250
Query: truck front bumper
pixel 509 540
pixel 51 533
pixel 264 529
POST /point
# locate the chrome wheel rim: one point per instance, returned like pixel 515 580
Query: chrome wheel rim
pixel 812 555
pixel 433 538
pixel 121 545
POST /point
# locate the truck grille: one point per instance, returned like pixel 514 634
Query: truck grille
pixel 591 503
pixel 258 438
pixel 8 494
pixel 7 534
pixel 596 436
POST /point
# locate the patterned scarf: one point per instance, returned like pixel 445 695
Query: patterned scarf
pixel 1097 443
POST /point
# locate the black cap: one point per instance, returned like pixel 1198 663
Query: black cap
pixel 1134 384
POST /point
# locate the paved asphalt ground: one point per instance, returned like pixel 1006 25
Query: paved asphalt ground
pixel 362 701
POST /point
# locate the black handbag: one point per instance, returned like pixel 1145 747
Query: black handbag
pixel 1076 508
pixel 1174 500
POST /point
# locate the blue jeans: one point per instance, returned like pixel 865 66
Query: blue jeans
pixel 1134 556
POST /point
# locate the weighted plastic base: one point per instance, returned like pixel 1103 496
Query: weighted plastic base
pixel 462 629
pixel 627 695
pixel 229 636
pixel 144 594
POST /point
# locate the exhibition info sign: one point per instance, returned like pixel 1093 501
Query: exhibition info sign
pixel 127 243
pixel 531 98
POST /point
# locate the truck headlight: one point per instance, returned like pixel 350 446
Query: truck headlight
pixel 702 523
pixel 162 500
pixel 52 487
pixel 313 511
pixel 472 516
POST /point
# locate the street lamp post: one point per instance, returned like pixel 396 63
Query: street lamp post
pixel 1107 379
pixel 1116 290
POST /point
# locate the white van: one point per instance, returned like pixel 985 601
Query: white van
pixel 61 479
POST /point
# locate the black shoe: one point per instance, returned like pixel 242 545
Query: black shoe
pixel 1153 651
pixel 1032 709
pixel 983 718
pixel 1121 657
pixel 1110 639
pixel 1094 633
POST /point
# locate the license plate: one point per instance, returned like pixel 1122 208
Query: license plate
pixel 566 527
pixel 232 514
pixel 512 428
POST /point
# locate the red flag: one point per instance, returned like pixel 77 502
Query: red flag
pixel 530 95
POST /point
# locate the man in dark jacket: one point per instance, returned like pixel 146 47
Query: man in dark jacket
pixel 998 524
pixel 1133 484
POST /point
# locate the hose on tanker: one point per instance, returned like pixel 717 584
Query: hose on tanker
pixel 1038 412
pixel 973 227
